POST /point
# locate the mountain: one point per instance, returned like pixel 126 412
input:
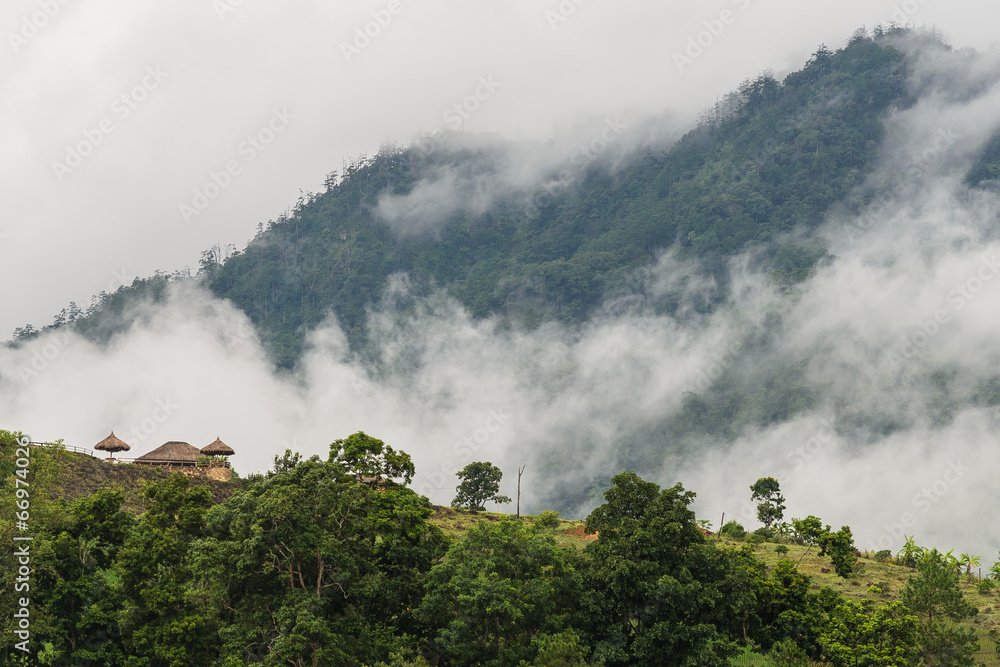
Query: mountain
pixel 758 172
pixel 781 260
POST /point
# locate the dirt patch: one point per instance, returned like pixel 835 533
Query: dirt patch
pixel 580 531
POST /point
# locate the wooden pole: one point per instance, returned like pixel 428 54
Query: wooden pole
pixel 722 522
pixel 519 471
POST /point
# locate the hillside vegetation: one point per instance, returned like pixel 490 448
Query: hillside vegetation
pixel 335 563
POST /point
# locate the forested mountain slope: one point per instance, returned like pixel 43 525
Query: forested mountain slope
pixel 768 159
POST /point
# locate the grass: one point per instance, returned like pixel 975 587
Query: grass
pixel 890 578
pixel 453 522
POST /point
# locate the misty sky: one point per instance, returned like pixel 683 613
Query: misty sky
pixel 199 78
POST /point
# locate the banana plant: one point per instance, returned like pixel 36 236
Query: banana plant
pixel 970 561
pixel 910 552
pixel 953 562
pixel 995 571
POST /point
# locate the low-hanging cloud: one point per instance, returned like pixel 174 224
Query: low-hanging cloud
pixel 893 334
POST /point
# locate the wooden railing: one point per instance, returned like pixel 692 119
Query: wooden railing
pixel 68 448
pixel 116 460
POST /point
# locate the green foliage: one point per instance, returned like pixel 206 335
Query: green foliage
pixel 500 587
pixel 787 653
pixel 934 597
pixel 313 564
pixel 733 529
pixel 781 549
pixel 862 633
pixel 561 650
pixel 883 555
pixel 480 483
pixel 773 157
pixel 765 534
pixel 771 506
pixel 840 547
pixel 986 166
pixel 547 519
pixel 808 530
pixel 371 459
pixel 643 591
pixel 911 553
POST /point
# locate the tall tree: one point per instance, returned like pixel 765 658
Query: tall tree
pixel 501 586
pixel 655 593
pixel 480 484
pixel 936 599
pixel 771 507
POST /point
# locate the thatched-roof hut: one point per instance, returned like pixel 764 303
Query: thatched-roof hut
pixel 217 448
pixel 174 452
pixel 111 444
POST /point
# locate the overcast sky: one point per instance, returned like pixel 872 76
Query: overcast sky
pixel 113 114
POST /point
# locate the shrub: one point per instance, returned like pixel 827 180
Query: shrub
pixel 986 586
pixel 883 555
pixel 733 529
pixel 766 534
pixel 788 654
pixel 547 519
pixel 781 549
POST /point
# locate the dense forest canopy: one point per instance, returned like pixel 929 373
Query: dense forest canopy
pixel 315 563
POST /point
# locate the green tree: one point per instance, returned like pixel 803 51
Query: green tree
pixel 839 546
pixel 861 633
pixel 480 484
pixel 501 586
pixel 315 566
pixel 163 623
pixel 771 507
pixel 655 593
pixel 935 598
pixel 371 459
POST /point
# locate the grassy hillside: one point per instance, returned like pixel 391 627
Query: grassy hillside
pixel 81 475
pixel 880 581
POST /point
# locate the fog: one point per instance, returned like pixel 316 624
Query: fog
pixel 904 313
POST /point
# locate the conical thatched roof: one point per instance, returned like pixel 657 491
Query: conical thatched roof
pixel 172 451
pixel 112 444
pixel 217 448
